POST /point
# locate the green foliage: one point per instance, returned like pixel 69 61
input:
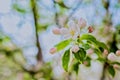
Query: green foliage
pixel 63 44
pixel 76 67
pixel 88 60
pixel 92 40
pixel 111 70
pixel 80 55
pixel 61 3
pixel 65 59
pixel 86 46
pixel 19 9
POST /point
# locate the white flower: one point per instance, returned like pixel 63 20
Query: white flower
pixel 81 23
pixel 72 31
pixel 112 57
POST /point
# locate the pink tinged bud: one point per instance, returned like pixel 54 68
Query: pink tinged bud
pixel 75 48
pixel 85 63
pixel 82 23
pixel 90 51
pixel 53 50
pixel 118 52
pixel 56 31
pixel 111 57
pixel 90 29
pixel 105 52
pixel 116 66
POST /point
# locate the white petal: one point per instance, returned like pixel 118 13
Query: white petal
pixel 64 31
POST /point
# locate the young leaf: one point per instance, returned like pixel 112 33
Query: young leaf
pixel 63 44
pixel 86 46
pixel 80 55
pixel 111 71
pixel 65 59
pixel 88 37
pixel 102 45
pixel 76 67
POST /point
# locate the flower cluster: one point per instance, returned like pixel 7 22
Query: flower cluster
pixel 73 30
pixel 84 47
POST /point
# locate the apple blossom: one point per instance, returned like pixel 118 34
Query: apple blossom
pixel 81 23
pixel 90 51
pixel 111 57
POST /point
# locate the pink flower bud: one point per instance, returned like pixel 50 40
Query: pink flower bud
pixel 111 57
pixel 56 31
pixel 75 48
pixel 116 66
pixel 85 63
pixel 82 23
pixel 90 51
pixel 53 50
pixel 118 52
pixel 105 53
pixel 90 29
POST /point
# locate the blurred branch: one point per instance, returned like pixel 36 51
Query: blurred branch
pixel 35 15
pixel 56 14
pixel 73 11
pixel 104 71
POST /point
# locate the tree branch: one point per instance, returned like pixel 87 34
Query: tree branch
pixel 35 15
pixel 73 11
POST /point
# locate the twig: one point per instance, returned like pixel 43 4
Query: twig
pixel 104 70
pixel 35 15
pixel 73 11
pixel 56 14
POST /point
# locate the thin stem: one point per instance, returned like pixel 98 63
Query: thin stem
pixel 56 14
pixel 104 70
pixel 73 11
pixel 35 15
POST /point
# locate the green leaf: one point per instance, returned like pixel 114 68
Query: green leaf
pixel 61 3
pixel 63 44
pixel 19 9
pixel 65 60
pixel 92 40
pixel 88 37
pixel 86 46
pixel 89 61
pixel 76 67
pixel 80 55
pixel 102 45
pixel 111 71
pixel 116 63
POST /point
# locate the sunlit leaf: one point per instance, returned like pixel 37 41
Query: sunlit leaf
pixel 65 60
pixel 86 46
pixel 80 55
pixel 63 44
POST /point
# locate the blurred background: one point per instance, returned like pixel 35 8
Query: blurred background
pixel 26 36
